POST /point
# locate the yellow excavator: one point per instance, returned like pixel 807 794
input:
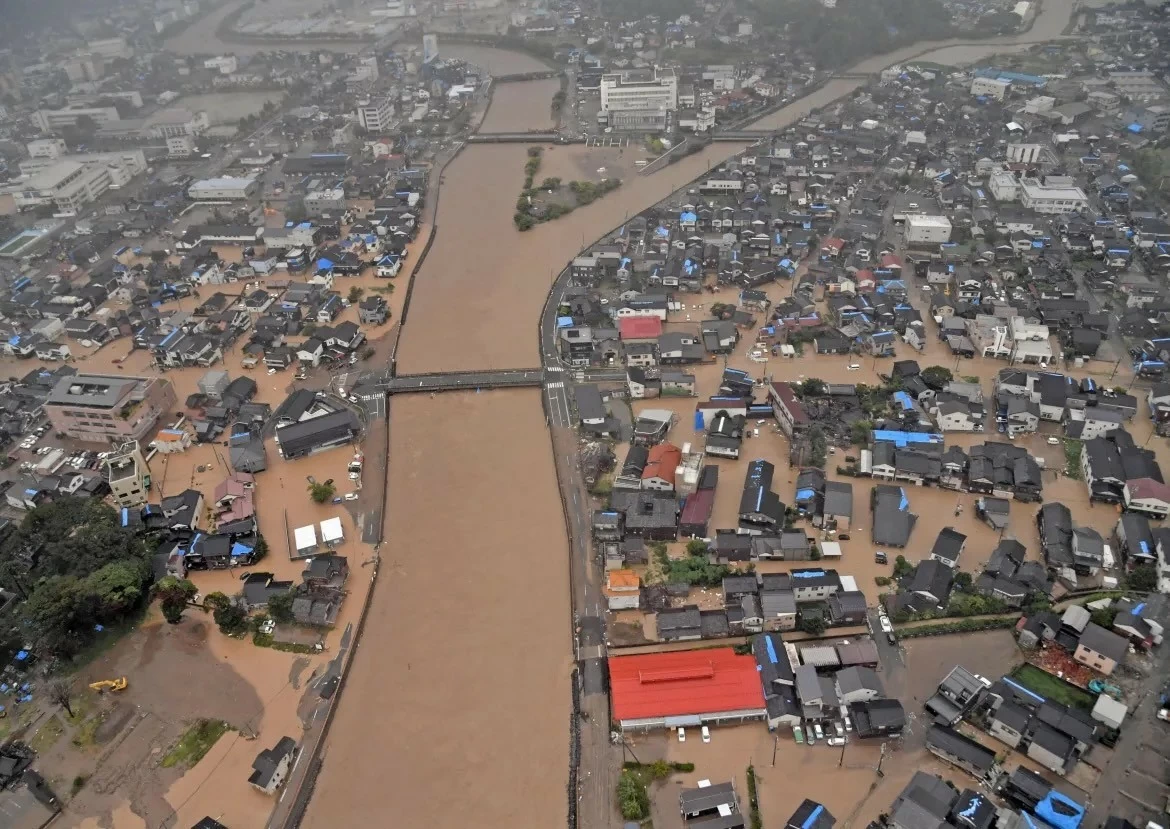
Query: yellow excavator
pixel 118 684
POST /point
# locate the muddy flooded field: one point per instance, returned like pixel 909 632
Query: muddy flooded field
pixel 467 652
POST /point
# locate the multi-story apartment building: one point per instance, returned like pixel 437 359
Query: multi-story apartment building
pixel 1054 195
pixel 99 408
pixel 66 185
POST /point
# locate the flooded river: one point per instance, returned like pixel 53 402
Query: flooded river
pixel 466 655
pixel 456 710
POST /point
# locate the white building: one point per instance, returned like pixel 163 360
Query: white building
pixel 126 163
pixel 224 64
pixel 1025 153
pixel 110 47
pixel 177 121
pixel 1052 197
pixel 1004 186
pixel 375 114
pixel 991 87
pixel 66 185
pixel 653 90
pixel 928 230
pixel 50 120
pixel 46 148
pixel 227 188
pixel 180 146
pixel 81 68
pixel 1039 104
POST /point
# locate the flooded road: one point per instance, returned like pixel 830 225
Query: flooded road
pixel 456 710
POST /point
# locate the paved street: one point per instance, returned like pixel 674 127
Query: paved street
pixel 1133 784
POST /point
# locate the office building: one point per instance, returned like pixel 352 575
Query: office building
pixel 645 90
pixel 928 230
pixel 177 121
pixel 100 408
pixel 375 114
pixel 1054 195
pixel 49 120
pixel 66 185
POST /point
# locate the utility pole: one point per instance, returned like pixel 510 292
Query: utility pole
pixel 881 759
pixel 775 744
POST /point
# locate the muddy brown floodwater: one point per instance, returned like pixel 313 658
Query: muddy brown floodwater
pixel 456 710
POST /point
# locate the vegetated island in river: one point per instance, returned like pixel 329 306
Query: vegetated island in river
pixel 553 198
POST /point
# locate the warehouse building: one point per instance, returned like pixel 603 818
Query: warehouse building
pixel 228 188
pixel 685 689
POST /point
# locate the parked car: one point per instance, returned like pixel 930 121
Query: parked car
pixel 836 741
pixel 706 734
pixel 682 734
pixel 818 731
pixel 880 557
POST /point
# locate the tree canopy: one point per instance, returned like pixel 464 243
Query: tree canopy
pixel 77 568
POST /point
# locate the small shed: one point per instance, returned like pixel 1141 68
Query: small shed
pixel 331 532
pixel 1109 711
pixel 830 549
pixel 305 539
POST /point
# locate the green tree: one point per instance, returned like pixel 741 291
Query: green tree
pixel 231 619
pixel 633 801
pixel 215 601
pixel 696 547
pixel 813 624
pixel 174 595
pixel 355 294
pixel 902 567
pixel 1144 577
pixel 937 376
pixel 812 387
pixel 860 432
pixel 551 183
pixel 280 607
pixel 117 588
pixel 963 582
pixel 322 491
pixel 261 549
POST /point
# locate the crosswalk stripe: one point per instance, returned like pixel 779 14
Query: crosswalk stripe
pixel 555 386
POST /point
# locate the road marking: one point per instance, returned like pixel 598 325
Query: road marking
pixel 555 386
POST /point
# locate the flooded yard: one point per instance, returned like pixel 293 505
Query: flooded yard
pixel 467 653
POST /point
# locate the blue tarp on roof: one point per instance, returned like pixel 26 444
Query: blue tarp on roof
pixel 698 421
pixel 905 438
pixel 807 574
pixel 1134 128
pixel 324 264
pixel 904 400
pixel 239 549
pixel 771 650
pixel 805 494
pixel 813 817
pixel 1060 811
pixel 564 322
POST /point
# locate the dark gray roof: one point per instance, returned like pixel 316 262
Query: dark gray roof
pixel 1105 642
pixel 1013 716
pixel 707 798
pixel 301 438
pixel 858 678
pixel 267 761
pixel 962 748
pixel 838 499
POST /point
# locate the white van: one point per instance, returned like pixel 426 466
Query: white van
pixel 855 366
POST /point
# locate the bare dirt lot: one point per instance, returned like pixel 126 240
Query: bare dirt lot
pixel 466 655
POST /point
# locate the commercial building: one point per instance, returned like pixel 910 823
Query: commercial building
pixel 375 114
pixel 685 688
pixel 224 64
pixel 641 95
pixel 329 202
pixel 50 120
pixel 122 165
pixel 991 87
pixel 1053 195
pixel 66 185
pixel 227 188
pixel 96 407
pixel 928 230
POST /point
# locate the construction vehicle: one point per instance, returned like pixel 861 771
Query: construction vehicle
pixel 118 684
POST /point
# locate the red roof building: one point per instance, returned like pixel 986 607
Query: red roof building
pixel 685 688
pixel 639 328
